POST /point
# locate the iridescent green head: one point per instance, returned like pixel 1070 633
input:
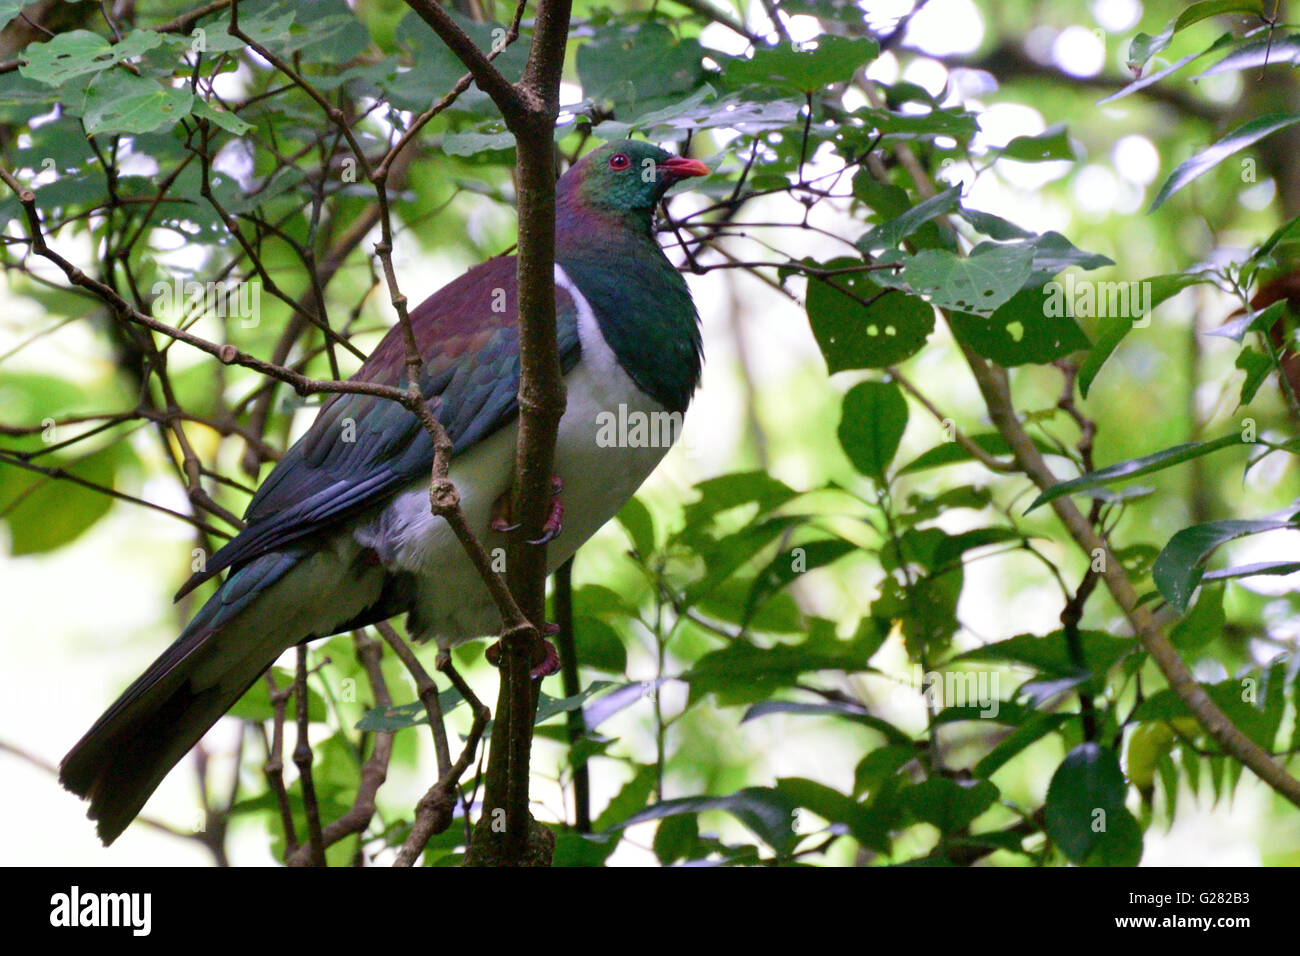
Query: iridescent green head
pixel 626 176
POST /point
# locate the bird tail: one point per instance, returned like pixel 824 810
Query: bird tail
pixel 237 634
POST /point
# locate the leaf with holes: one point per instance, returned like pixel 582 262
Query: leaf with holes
pixel 123 103
pixel 79 52
pixel 977 284
pixel 852 334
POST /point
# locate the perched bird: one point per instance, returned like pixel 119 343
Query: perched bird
pixel 340 533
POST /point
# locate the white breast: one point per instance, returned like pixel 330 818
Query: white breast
pixel 610 439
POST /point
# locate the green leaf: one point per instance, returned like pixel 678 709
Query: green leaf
pixel 978 283
pixel 639 524
pixel 843 709
pixel 834 60
pixel 1251 570
pixel 704 109
pixel 871 426
pixel 1236 140
pixel 1267 50
pixel 1144 46
pixel 488 138
pixel 1115 327
pixel 743 672
pixel 725 556
pixel 549 707
pixel 79 52
pixel 888 235
pixel 1033 728
pixel 598 645
pixel 788 565
pixel 766 812
pixel 1251 322
pixel 1254 710
pixel 1257 367
pixel 228 121
pixel 995 227
pixel 10 9
pixel 960 124
pixel 122 103
pixel 951 453
pixel 731 491
pixel 1226 39
pixel 1085 812
pixel 1203 624
pixel 851 335
pixel 839 810
pixel 631 64
pixel 1051 144
pixel 1134 468
pixel 1020 332
pixel 949 805
pixel 401 716
pixel 1177 570
pixel 1050 655
pixel 44 513
pixel 676 838
pixel 631 798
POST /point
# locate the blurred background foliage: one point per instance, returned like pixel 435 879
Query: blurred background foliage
pixel 822 633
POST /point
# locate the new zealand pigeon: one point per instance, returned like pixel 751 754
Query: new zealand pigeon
pixel 340 533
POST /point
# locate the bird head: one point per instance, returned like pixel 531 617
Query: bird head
pixel 627 176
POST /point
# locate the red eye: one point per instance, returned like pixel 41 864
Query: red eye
pixel 619 161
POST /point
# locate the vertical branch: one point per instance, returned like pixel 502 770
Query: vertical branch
pixel 577 724
pixel 302 757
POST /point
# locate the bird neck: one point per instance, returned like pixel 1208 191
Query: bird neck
pixel 640 301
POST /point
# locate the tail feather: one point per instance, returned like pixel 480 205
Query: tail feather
pixel 258 612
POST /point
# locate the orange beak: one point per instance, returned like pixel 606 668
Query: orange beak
pixel 679 167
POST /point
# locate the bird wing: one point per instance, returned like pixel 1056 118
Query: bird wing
pixel 362 449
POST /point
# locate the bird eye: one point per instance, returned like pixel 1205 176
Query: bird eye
pixel 619 161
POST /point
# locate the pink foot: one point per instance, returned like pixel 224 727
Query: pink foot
pixel 502 521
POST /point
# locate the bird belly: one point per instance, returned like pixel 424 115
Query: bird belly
pixel 611 437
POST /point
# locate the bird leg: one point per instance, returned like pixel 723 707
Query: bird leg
pixel 502 519
pixel 544 664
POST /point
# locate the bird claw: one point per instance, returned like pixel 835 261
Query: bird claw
pixel 501 522
pixel 554 523
pixel 544 666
